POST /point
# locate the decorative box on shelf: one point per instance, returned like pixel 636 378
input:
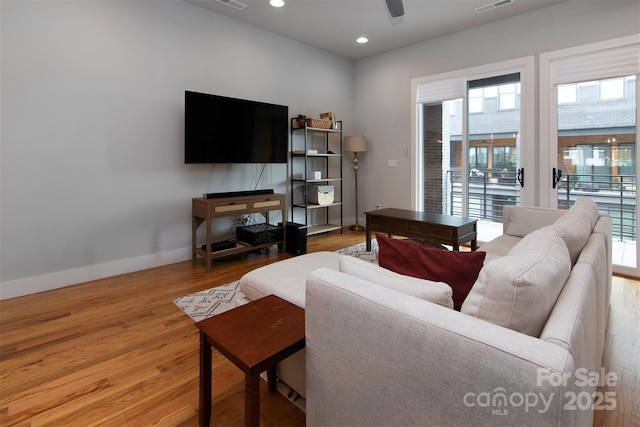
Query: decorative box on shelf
pixel 321 194
pixel 314 175
pixel 326 121
pixel 319 123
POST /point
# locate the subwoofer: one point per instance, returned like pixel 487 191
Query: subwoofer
pixel 296 238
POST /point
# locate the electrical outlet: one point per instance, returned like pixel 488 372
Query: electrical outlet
pixel 378 207
pixel 241 221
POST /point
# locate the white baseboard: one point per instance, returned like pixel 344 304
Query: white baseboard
pixel 60 279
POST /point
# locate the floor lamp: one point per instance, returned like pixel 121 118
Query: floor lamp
pixel 355 144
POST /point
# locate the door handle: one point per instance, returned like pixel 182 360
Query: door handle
pixel 521 177
pixel 555 176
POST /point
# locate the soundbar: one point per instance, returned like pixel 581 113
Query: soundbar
pixel 237 193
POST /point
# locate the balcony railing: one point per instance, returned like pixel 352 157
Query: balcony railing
pixel 614 194
pixel 491 190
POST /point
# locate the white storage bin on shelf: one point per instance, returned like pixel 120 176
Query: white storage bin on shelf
pixel 321 194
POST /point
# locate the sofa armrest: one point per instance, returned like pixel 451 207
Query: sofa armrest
pixel 376 356
pixel 519 221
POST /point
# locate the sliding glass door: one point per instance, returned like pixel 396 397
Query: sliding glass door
pixel 596 145
pixel 493 143
pixel 469 151
pixel 593 110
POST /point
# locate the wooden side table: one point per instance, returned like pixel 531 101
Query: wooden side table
pixel 255 337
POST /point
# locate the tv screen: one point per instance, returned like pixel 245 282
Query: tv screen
pixel 219 129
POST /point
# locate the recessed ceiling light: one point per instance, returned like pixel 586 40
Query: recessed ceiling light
pixel 276 3
pixel 362 40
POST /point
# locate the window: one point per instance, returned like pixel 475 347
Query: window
pixel 567 94
pixel 476 101
pixel 478 158
pixel 490 92
pixel 504 158
pixel 442 179
pixel 611 89
pixel 593 141
pixel 507 100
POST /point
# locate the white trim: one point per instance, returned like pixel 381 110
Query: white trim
pixel 61 279
pixel 417 156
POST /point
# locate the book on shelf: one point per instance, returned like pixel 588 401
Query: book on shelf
pixel 303 151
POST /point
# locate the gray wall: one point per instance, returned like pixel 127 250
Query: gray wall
pixel 92 172
pixel 383 82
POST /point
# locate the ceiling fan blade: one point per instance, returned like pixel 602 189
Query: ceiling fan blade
pixel 395 8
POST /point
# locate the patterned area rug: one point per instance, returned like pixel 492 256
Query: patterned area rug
pixel 211 302
pixel 359 251
pixel 204 304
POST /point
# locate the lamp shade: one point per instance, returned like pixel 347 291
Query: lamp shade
pixel 356 144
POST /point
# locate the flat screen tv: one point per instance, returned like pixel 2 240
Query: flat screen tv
pixel 219 129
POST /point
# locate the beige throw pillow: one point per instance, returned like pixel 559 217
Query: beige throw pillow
pixel 524 220
pixel 519 290
pixel 576 225
pixel 435 292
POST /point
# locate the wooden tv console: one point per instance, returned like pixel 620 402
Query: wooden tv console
pixel 207 210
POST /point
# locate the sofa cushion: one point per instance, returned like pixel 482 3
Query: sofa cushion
pixel 521 220
pixel 519 290
pixel 457 269
pixel 287 278
pixel 500 246
pixel 576 225
pixel 435 292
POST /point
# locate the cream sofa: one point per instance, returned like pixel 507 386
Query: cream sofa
pixel 377 356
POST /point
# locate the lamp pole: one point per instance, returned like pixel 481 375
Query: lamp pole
pixel 356 226
pixel 356 144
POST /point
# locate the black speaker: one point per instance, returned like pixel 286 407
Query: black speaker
pixel 296 237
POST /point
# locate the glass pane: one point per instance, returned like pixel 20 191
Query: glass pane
pixel 441 151
pixel 482 157
pixel 596 154
pixel 491 167
pixel 493 154
pixel 508 97
pixel 566 94
pixel 472 158
pixel 490 92
pixel 611 89
pixel 475 101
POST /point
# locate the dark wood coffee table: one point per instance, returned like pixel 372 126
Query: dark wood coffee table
pixel 436 228
pixel 255 337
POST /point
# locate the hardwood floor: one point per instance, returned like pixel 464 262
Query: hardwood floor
pixel 622 354
pixel 117 351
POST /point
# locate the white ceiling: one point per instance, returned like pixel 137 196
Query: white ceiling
pixel 334 25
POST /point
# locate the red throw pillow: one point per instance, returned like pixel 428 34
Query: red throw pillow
pixel 457 269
